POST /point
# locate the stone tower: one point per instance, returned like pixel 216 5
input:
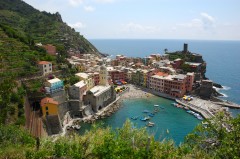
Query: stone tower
pixel 103 76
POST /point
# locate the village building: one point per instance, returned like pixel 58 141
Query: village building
pixel 102 95
pixel 49 108
pixel 77 90
pixel 53 85
pixel 45 67
pixel 87 78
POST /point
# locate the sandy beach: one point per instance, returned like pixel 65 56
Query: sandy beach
pixel 135 92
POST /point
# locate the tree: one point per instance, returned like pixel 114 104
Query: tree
pixel 165 50
pixel 219 137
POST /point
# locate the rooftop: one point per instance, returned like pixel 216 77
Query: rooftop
pixel 43 62
pixel 48 100
pixel 54 80
pixel 82 75
pixel 180 76
pixel 80 84
pixel 162 74
pixel 98 90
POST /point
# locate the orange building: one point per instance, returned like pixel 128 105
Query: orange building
pixel 50 49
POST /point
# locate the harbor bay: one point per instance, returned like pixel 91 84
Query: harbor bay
pixel 170 122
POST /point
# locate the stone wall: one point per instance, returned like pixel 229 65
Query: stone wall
pixel 53 124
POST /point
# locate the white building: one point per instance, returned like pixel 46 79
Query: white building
pixel 45 67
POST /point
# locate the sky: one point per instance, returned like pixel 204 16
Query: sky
pixel 148 19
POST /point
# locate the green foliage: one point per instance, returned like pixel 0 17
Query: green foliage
pixel 186 68
pixel 219 137
pixel 211 140
pixel 73 80
pixel 12 135
pixel 30 25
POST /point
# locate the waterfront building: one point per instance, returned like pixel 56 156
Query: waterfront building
pixel 190 81
pixel 87 78
pixel 144 75
pixel 45 67
pixel 175 85
pixel 54 85
pixel 100 96
pixel 156 82
pixel 117 75
pixel 77 90
pixel 150 73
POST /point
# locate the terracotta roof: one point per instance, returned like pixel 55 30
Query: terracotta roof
pixel 48 100
pixel 44 62
pixel 161 74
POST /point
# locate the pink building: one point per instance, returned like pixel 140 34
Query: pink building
pixel 50 49
pixel 190 80
pixel 96 78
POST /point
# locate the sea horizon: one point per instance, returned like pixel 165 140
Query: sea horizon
pixel 221 57
pixel 237 40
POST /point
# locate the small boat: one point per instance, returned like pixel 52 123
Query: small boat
pixel 200 118
pixel 146 111
pixel 151 114
pixel 134 117
pixel 190 112
pixel 174 104
pixel 145 118
pixel 186 108
pixel 156 105
pixel 150 124
pixel 167 131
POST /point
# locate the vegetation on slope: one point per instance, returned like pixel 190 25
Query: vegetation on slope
pixel 41 26
pixel 211 140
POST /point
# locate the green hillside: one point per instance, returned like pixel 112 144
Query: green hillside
pixel 41 26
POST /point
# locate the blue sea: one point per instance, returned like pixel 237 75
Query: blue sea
pixel 170 122
pixel 222 57
pixel 223 66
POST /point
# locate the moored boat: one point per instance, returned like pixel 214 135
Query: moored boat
pixel 150 124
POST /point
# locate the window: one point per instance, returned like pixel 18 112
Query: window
pixel 45 70
pixel 45 66
pixel 47 113
pixel 46 108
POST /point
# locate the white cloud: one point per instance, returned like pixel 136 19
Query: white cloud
pixel 134 27
pixel 204 22
pixel 78 25
pixel 89 8
pixel 75 2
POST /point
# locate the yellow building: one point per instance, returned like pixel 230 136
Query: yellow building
pixel 49 106
pixel 87 78
pixel 144 73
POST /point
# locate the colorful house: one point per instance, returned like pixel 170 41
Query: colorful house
pixel 77 90
pixel 49 106
pixel 54 85
pixel 87 78
pixel 45 67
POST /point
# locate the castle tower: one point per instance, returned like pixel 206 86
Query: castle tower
pixel 185 48
pixel 103 76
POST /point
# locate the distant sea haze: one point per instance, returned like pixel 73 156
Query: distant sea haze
pixel 222 57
